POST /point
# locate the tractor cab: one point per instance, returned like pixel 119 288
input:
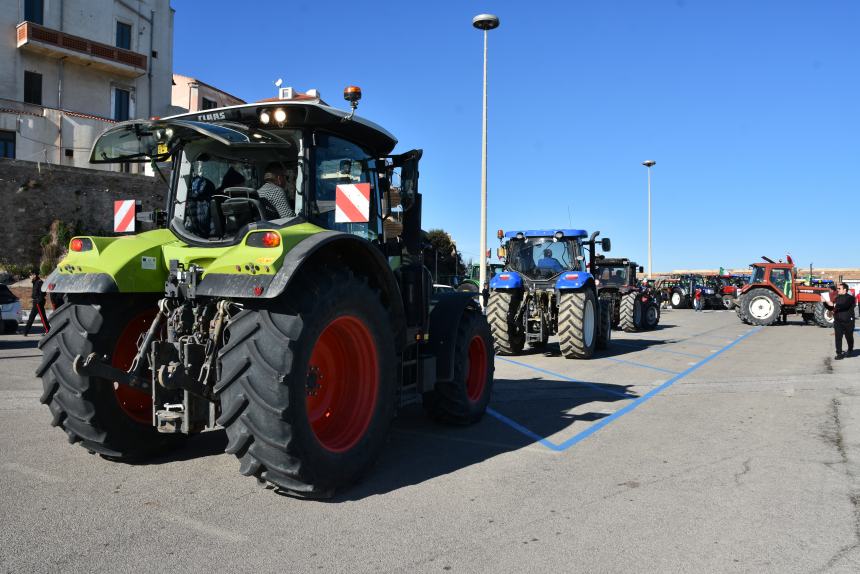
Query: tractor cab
pixel 544 254
pixel 616 273
pixel 778 276
pixel 269 165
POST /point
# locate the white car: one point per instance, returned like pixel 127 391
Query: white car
pixel 10 310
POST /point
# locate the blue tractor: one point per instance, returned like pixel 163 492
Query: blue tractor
pixel 546 289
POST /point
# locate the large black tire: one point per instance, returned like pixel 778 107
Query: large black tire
pixel 650 316
pixel 464 399
pixel 631 312
pixel 468 287
pixel 678 300
pixel 577 324
pixel 739 310
pixel 86 408
pixel 508 335
pixel 729 302
pixel 823 316
pixel 287 419
pixel 762 307
pixel 604 325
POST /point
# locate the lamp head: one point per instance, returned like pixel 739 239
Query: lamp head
pixel 649 163
pixel 485 21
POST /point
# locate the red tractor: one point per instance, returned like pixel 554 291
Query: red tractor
pixel 773 292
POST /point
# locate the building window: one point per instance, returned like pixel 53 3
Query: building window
pixel 7 144
pixel 33 88
pixel 209 104
pixel 121 102
pixel 34 11
pixel 123 35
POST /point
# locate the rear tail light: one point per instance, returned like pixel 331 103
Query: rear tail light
pixel 265 239
pixel 572 276
pixel 504 276
pixel 81 244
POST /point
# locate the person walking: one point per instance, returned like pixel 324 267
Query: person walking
pixel 38 305
pixel 843 320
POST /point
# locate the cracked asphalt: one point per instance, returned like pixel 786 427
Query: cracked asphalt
pixel 704 446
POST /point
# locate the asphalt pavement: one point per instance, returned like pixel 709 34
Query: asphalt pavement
pixel 704 446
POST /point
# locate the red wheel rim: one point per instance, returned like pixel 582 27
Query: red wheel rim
pixel 135 403
pixel 476 380
pixel 342 384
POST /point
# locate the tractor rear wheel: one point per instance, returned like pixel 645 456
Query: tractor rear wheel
pixel 577 324
pixel 631 312
pixel 729 302
pixel 823 316
pixel 678 300
pixel 105 417
pixel 762 307
pixel 604 327
pixel 464 399
pixel 651 316
pixel 307 384
pixel 508 335
pixel 468 287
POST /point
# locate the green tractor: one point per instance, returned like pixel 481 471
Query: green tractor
pixel 470 282
pixel 281 295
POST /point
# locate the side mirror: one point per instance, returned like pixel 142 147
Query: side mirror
pixel 605 244
pixel 500 253
pixel 641 269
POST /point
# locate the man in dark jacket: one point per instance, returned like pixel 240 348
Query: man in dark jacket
pixel 38 305
pixel 843 320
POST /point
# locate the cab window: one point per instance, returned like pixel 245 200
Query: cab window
pixel 345 188
pixel 781 279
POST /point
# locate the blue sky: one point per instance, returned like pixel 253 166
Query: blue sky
pixel 750 109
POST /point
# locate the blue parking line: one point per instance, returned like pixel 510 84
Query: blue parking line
pixel 566 378
pixel 619 413
pixel 644 366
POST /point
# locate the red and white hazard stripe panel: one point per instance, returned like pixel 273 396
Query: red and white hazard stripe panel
pixel 352 203
pixel 123 216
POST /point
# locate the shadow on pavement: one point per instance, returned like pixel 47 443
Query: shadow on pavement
pixel 419 449
pixel 29 343
pixel 627 346
pixel 203 445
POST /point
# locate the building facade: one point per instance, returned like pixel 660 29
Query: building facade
pixel 69 69
pixel 192 95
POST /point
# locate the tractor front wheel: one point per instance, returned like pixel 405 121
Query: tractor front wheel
pixel 464 399
pixel 651 316
pixel 307 384
pixel 604 327
pixel 678 300
pixel 577 324
pixel 508 334
pixel 105 417
pixel 762 307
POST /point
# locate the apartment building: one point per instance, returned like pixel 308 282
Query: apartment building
pixel 69 69
pixel 193 95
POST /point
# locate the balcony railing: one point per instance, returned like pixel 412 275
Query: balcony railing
pixel 30 34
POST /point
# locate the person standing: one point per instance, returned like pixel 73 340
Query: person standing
pixel 697 299
pixel 38 305
pixel 843 320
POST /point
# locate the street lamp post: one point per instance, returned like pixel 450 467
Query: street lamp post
pixel 485 22
pixel 649 163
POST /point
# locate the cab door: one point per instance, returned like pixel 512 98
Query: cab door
pixel 781 280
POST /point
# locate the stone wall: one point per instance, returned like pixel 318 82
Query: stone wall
pixel 33 195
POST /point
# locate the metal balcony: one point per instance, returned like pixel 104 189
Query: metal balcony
pixel 56 44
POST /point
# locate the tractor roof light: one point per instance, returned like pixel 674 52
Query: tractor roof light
pixel 351 94
pixel 558 236
pixel 280 116
pixel 520 235
pixel 500 234
pixel 265 117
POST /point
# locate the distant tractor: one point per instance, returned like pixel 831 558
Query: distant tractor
pixel 470 282
pixel 680 290
pixel 636 307
pixel 545 290
pixel 729 287
pixel 774 292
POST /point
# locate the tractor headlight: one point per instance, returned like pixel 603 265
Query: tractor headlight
pixel 265 118
pixel 280 115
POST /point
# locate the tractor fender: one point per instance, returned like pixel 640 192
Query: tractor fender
pixel 334 247
pixel 83 283
pixel 506 280
pixel 444 320
pixel 573 280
